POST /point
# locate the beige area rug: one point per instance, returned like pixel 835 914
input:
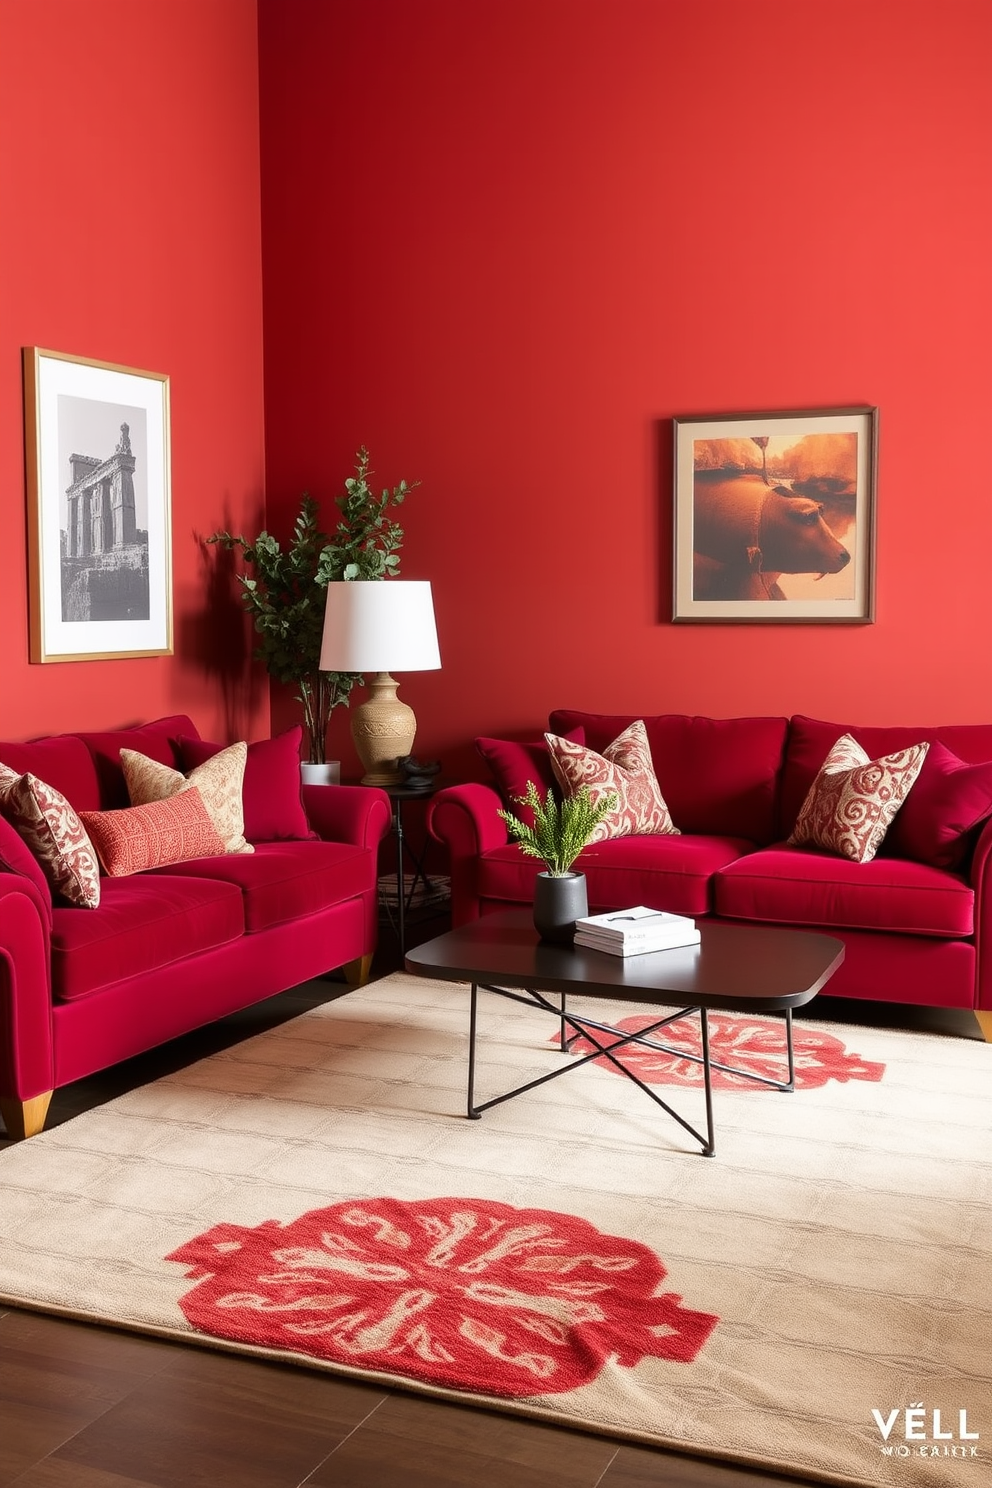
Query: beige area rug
pixel 815 1298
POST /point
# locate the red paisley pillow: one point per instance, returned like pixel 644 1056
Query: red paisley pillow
pixel 853 799
pixel 52 830
pixel 624 767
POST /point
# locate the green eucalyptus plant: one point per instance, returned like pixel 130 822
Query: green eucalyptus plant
pixel 561 828
pixel 283 589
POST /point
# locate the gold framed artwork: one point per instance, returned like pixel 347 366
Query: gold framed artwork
pixel 775 516
pixel 99 509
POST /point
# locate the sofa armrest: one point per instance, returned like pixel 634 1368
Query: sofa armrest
pixel 465 819
pixel 360 814
pixel 981 882
pixel 27 1067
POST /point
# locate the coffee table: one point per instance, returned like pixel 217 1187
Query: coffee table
pixel 742 967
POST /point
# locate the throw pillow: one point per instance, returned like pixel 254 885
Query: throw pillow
pixel 514 762
pixel 172 830
pixel 625 768
pixel 949 800
pixel 52 830
pixel 219 781
pixel 853 799
pixel 273 805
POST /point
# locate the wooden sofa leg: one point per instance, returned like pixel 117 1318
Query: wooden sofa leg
pixel 356 973
pixel 985 1024
pixel 24 1118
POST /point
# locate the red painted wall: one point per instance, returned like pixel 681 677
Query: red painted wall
pixel 504 243
pixel 129 176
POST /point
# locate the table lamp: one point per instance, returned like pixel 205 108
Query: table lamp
pixel 380 626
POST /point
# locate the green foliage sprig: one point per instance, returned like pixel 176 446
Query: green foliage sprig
pixel 561 828
pixel 283 588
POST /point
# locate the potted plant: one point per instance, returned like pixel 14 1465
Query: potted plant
pixel 283 591
pixel 561 830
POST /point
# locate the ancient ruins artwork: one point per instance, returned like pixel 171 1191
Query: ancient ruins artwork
pixel 104 537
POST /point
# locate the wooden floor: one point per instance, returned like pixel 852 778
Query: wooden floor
pixel 88 1407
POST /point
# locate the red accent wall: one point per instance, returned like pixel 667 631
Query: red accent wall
pixel 504 243
pixel 129 176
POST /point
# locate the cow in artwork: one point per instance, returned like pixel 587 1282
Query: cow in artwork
pixel 747 533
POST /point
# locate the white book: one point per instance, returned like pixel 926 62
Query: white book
pixel 634 948
pixel 630 925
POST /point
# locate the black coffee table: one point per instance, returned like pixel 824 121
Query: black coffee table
pixel 746 968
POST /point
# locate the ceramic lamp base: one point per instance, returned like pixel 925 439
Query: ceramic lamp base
pixel 383 730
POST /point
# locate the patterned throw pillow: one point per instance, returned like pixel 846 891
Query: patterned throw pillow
pixel 623 767
pixel 136 838
pixel 853 799
pixel 50 827
pixel 219 781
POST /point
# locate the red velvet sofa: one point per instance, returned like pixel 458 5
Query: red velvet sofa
pixel 916 921
pixel 171 949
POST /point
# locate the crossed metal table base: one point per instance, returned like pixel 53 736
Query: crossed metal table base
pixel 581 1026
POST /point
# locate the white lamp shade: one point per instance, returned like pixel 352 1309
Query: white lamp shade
pixel 379 625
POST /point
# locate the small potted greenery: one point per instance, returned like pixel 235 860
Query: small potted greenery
pixel 561 830
pixel 283 590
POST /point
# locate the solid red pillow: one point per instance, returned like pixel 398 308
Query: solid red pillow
pixel 514 762
pixel 949 799
pixel 271 793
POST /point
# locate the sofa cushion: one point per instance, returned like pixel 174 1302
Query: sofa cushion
pixel 623 770
pixel 719 776
pixel 218 780
pixel 63 761
pixel 143 923
pixel 52 831
pixel 282 881
pixel 810 741
pixel 949 801
pixel 672 873
pixel 158 739
pixel 784 885
pixel 853 799
pixel 514 762
pixel 137 838
pixel 272 790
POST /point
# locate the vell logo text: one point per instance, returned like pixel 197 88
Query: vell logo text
pixel 924 1433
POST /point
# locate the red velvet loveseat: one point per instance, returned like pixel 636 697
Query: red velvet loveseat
pixel 916 920
pixel 171 949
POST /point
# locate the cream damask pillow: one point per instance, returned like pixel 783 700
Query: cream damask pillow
pixel 624 769
pixel 851 803
pixel 219 781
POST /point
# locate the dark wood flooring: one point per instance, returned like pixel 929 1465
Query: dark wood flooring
pixel 90 1407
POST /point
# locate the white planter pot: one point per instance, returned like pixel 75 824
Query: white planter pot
pixel 326 774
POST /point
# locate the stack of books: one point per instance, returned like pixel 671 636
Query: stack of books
pixel 634 932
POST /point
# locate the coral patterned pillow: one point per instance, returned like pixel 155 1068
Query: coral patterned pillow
pixel 624 767
pixel 49 826
pixel 853 799
pixel 140 837
pixel 219 780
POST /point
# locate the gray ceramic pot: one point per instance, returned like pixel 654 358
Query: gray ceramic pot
pixel 559 900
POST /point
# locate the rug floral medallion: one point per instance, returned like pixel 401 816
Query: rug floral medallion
pixel 815 1300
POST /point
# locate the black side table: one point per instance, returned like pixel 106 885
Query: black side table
pixel 398 795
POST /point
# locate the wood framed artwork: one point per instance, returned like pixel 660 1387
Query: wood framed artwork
pixel 775 516
pixel 99 522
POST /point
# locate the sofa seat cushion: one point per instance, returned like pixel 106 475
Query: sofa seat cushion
pixel 672 873
pixel 283 881
pixel 801 886
pixel 143 923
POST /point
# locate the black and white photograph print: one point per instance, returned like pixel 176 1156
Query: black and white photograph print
pixel 775 516
pixel 98 508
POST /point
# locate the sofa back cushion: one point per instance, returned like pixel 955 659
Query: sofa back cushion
pixel 719 776
pixel 811 739
pixel 62 761
pixel 159 740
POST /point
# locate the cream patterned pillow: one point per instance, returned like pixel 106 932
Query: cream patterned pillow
pixel 853 800
pixel 51 829
pixel 624 768
pixel 219 781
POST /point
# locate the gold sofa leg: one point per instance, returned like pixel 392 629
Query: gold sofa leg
pixel 24 1118
pixel 356 973
pixel 985 1024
